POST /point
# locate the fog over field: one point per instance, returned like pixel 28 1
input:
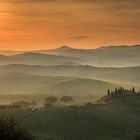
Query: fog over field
pixel 69 71
pixel 73 94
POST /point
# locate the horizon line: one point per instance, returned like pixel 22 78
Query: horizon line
pixel 67 46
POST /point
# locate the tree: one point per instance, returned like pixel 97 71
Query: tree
pixel 89 104
pixel 51 99
pixel 22 104
pixel 34 102
pixel 10 129
pixel 133 90
pixel 121 92
pixel 108 92
pixel 48 105
pixel 66 99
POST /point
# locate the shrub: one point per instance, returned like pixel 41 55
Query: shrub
pixel 10 129
pixel 89 104
pixel 51 99
pixel 48 105
pixel 66 99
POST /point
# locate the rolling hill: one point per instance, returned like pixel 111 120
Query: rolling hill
pixel 128 75
pixel 31 58
pixel 112 56
pixel 114 120
pixel 10 52
pixel 17 83
pixel 109 56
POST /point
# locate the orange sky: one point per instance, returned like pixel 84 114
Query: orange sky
pixel 44 24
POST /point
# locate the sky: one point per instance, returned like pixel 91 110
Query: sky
pixel 45 24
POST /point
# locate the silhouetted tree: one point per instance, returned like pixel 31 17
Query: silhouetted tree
pixel 10 129
pixel 34 102
pixel 48 105
pixel 66 99
pixel 108 92
pixel 133 89
pixel 121 93
pixel 51 99
pixel 22 103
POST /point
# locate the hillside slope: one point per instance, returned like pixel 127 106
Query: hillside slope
pixel 16 83
pixel 128 75
pixel 109 56
pixel 112 56
pixel 115 120
pixel 30 58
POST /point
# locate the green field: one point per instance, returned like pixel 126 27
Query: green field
pixel 115 120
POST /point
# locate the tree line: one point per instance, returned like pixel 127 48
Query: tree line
pixel 122 92
pixel 10 129
pixel 49 101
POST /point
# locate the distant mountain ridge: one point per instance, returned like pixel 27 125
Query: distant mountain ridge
pixel 32 58
pixel 65 48
pixel 68 48
pixel 70 71
pixel 111 56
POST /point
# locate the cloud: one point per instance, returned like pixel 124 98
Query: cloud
pixel 27 1
pixel 82 13
pixel 79 37
pixel 87 1
pixel 56 18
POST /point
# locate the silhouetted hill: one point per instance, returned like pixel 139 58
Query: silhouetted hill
pixel 112 56
pixel 31 58
pixel 10 52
